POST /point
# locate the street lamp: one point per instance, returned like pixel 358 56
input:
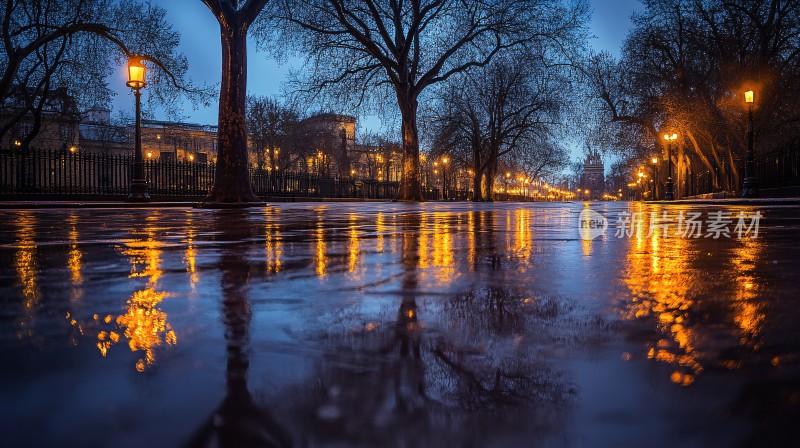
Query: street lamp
pixel 750 184
pixel 445 160
pixel 138 184
pixel 655 176
pixel 669 194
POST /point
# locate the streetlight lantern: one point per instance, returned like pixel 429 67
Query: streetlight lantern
pixel 136 72
pixel 750 184
pixel 136 81
pixel 669 193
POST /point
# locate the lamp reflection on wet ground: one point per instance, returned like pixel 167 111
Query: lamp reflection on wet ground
pixel 395 325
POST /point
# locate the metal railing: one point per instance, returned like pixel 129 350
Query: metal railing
pixel 61 172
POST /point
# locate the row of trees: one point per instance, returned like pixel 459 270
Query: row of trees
pixel 358 54
pixel 489 80
pixel 684 69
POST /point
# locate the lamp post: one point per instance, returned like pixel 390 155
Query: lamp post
pixel 655 176
pixel 750 184
pixel 669 193
pixel 445 160
pixel 138 185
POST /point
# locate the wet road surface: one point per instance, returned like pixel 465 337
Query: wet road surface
pixel 362 324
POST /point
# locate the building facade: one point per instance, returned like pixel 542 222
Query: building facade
pixel 593 176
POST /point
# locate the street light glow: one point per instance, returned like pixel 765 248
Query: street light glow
pixel 749 97
pixel 136 73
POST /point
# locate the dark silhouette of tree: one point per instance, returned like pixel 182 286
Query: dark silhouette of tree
pixel 51 49
pixel 510 109
pixel 363 52
pixel 232 177
pixel 237 421
pixel 271 127
pixel 684 68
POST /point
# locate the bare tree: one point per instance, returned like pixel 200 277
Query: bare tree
pixel 512 106
pixel 232 177
pixel 364 51
pixel 51 48
pixel 271 126
pixel 684 68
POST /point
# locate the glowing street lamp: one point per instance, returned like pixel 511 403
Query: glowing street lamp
pixel 138 184
pixel 445 161
pixel 669 194
pixel 655 175
pixel 750 184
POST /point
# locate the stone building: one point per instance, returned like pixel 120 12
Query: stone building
pixel 326 142
pixel 593 175
pixel 171 141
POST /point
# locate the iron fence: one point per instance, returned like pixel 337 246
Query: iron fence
pixel 778 169
pixel 62 172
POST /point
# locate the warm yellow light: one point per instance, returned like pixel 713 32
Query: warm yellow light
pixel 149 154
pixel 641 174
pixel 73 149
pixel 136 73
pixel 586 191
pixel 508 174
pixel 352 172
pixel 673 137
pixel 445 160
pixel 191 157
pixel 654 160
pixel 749 96
pixel 17 143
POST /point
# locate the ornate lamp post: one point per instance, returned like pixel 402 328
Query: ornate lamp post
pixel 655 176
pixel 750 184
pixel 138 185
pixel 669 193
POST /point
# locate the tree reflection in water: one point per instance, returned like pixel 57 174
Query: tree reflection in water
pixel 237 421
pixel 419 382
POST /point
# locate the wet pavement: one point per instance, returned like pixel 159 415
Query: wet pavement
pixel 367 324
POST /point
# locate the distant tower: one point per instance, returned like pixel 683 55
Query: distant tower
pixel 593 178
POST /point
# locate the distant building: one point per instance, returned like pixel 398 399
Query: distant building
pixel 328 142
pixel 97 134
pixel 593 176
pixel 171 141
pixel 57 124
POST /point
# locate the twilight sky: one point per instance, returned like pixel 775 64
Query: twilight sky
pixel 200 42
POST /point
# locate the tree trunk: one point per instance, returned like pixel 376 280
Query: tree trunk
pixel 476 179
pixel 476 186
pixel 410 188
pixel 489 197
pixel 232 177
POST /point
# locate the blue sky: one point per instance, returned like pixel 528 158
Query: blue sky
pixel 200 42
